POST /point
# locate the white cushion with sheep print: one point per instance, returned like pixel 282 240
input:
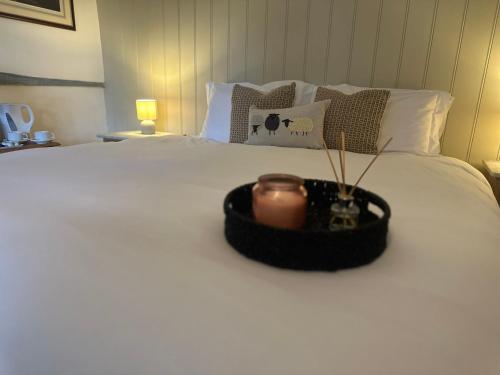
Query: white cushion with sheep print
pixel 300 126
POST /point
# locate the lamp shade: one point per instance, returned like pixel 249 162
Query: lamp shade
pixel 146 109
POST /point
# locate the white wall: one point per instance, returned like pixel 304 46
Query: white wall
pixel 75 114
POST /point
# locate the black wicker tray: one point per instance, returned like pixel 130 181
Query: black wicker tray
pixel 314 247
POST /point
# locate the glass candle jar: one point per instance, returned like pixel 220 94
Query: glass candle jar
pixel 280 200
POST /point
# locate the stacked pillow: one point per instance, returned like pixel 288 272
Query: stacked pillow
pixel 217 125
pixel 415 119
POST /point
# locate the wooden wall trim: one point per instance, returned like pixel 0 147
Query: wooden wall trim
pixel 351 42
pixel 306 39
pixel 179 48
pixel 377 38
pixel 285 39
pixel 483 81
pixel 247 18
pixel 431 40
pixel 266 29
pixel 402 46
pixel 459 47
pixel 9 79
pixel 329 40
pixel 457 58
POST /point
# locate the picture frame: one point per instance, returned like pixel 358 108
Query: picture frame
pixel 55 13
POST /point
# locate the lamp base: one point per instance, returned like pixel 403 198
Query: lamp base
pixel 148 127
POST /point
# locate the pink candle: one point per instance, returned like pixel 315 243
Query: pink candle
pixel 280 200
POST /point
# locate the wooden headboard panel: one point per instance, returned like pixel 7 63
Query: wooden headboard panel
pixel 168 49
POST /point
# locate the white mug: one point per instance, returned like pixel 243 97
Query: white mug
pixel 17 136
pixel 44 135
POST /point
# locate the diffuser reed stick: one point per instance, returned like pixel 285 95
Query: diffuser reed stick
pixel 344 192
pixel 369 166
pixel 332 165
pixel 342 185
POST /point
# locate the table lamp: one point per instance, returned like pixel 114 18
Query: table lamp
pixel 146 113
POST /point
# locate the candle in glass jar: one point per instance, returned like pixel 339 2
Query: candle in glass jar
pixel 280 200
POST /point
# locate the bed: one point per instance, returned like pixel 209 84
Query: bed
pixel 113 261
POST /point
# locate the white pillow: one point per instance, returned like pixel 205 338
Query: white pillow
pixel 443 105
pixel 414 118
pixel 217 123
pixel 445 101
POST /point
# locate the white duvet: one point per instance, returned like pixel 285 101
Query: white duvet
pixel 113 261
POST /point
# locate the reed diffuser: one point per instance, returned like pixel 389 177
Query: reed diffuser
pixel 345 211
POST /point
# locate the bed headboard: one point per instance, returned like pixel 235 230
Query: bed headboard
pixel 168 49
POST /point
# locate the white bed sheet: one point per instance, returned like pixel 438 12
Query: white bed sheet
pixel 113 261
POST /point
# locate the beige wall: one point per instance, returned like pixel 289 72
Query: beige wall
pixel 75 114
pixel 168 49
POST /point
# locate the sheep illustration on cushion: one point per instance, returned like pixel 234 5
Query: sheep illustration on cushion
pixel 302 125
pixel 256 121
pixel 272 123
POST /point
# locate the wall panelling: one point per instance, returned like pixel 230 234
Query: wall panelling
pixel 168 49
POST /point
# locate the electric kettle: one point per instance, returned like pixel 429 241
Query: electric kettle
pixel 12 118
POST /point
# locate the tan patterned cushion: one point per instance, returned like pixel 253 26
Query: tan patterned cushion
pixel 245 97
pixel 359 115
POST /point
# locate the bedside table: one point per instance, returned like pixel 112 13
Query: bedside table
pixel 122 136
pixel 27 146
pixel 493 176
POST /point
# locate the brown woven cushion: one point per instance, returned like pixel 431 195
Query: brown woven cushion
pixel 245 97
pixel 359 115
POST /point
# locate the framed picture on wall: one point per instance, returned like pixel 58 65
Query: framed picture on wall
pixel 57 13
